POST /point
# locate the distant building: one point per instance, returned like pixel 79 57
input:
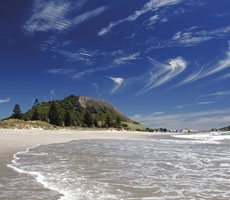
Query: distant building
pixel 185 130
pixel 189 130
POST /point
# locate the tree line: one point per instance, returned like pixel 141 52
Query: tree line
pixel 53 117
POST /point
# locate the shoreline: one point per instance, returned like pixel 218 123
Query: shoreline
pixel 16 140
pixel 13 141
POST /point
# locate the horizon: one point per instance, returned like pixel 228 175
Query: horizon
pixel 162 63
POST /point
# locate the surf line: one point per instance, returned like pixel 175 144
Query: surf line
pixel 38 176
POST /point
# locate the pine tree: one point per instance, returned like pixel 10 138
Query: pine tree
pixel 35 115
pixel 36 102
pixel 17 113
pixel 53 114
pixel 88 119
pixel 67 119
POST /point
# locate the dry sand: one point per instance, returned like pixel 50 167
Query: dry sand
pixel 12 141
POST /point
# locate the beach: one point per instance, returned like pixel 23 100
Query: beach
pixel 113 165
pixel 13 141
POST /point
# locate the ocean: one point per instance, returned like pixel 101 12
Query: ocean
pixel 167 167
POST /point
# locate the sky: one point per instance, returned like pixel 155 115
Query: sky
pixel 163 63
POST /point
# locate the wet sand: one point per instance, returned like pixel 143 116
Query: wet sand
pixel 12 141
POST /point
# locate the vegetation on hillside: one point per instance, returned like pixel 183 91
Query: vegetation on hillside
pixel 21 124
pixel 227 128
pixel 77 111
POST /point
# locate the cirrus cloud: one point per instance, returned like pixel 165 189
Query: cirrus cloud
pixel 118 81
pixel 163 72
pixel 58 15
pixel 7 100
pixel 152 5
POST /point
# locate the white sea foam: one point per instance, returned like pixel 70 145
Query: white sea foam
pixel 206 137
pixel 38 176
pixel 107 170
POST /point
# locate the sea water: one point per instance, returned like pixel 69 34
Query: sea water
pixel 168 168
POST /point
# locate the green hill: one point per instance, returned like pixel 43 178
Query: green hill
pixel 81 111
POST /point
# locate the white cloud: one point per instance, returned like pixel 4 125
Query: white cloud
pixel 179 106
pixel 81 74
pixel 205 102
pixel 57 15
pixel 221 93
pixel 193 37
pixel 60 71
pixel 152 20
pixel 86 56
pixel 117 83
pixel 197 120
pixel 124 59
pixel 50 15
pixel 87 15
pixel 157 113
pixel 7 100
pixel 188 39
pixel 114 59
pixel 209 70
pixel 163 73
pixel 52 92
pixel 152 5
pixel 226 76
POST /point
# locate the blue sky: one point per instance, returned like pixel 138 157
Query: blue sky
pixel 164 63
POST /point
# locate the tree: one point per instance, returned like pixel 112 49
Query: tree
pixel 53 114
pixel 35 115
pixel 108 121
pixel 88 119
pixel 67 119
pixel 36 102
pixel 118 121
pixel 17 113
pixel 95 123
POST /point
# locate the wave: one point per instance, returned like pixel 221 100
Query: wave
pixel 38 176
pixel 211 137
pixel 157 169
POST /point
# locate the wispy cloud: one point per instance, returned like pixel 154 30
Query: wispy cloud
pixel 52 92
pixel 7 100
pixel 205 102
pixel 163 72
pixel 152 5
pixel 48 15
pixel 193 37
pixel 55 15
pixel 125 59
pixel 226 76
pixel 87 15
pixel 197 120
pixel 221 93
pixel 111 60
pixel 118 81
pixel 62 71
pixel 82 55
pixel 152 20
pixel 179 106
pixel 54 43
pixel 209 70
pixel 83 73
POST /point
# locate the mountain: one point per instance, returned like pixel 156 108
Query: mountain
pixel 80 111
